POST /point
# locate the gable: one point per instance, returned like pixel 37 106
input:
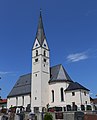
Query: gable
pixel 36 44
pixel 58 73
pixel 45 45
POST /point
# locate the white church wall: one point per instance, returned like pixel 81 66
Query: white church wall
pixel 85 97
pixel 27 100
pixel 57 94
pixel 45 89
pixel 79 98
pixel 76 98
pixel 11 102
pixel 18 101
pixel 36 89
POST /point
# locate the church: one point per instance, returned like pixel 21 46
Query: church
pixel 46 87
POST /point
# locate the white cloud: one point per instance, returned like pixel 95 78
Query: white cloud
pixel 91 12
pixel 77 57
pixel 2 73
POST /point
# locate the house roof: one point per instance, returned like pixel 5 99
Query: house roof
pixel 3 101
pixel 58 73
pixel 76 86
pixel 22 86
pixel 94 100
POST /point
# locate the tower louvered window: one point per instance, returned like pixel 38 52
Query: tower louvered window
pixel 44 53
pixel 36 52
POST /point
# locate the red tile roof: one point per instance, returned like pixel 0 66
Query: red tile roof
pixel 95 100
pixel 3 101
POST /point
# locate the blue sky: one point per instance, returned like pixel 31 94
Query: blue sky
pixel 71 31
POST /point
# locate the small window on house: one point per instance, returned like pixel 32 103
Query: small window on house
pixel 52 95
pixel 73 93
pixel 36 45
pixel 85 93
pixel 44 45
pixel 44 53
pixel 86 102
pixel 22 100
pixel 36 52
pixel 35 98
pixel 44 60
pixel 62 94
pixel 36 75
pixel 16 101
pixel 36 60
pixel 73 103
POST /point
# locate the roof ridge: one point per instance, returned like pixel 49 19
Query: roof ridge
pixel 25 74
pixel 59 70
pixel 55 65
pixel 67 75
pixel 76 86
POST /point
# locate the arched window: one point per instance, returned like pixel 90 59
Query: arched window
pixel 52 95
pixel 16 101
pixel 22 100
pixel 44 53
pixel 36 52
pixel 62 94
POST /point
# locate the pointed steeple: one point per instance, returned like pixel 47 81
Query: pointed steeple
pixel 40 35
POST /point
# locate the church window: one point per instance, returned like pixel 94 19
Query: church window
pixel 85 102
pixel 36 75
pixel 22 100
pixel 62 94
pixel 36 52
pixel 44 45
pixel 73 103
pixel 44 60
pixel 44 53
pixel 36 60
pixel 85 93
pixel 73 93
pixel 36 45
pixel 16 101
pixel 35 98
pixel 52 95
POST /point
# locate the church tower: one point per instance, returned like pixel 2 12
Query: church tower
pixel 40 70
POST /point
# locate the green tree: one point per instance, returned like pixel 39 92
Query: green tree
pixel 48 116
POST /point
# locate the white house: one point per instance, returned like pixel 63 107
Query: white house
pixel 46 86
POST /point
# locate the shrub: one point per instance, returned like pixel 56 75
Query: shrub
pixel 48 116
pixel 82 107
pixel 89 107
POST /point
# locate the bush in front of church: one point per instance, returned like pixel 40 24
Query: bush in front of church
pixel 48 116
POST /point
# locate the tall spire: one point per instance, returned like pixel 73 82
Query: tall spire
pixel 40 31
